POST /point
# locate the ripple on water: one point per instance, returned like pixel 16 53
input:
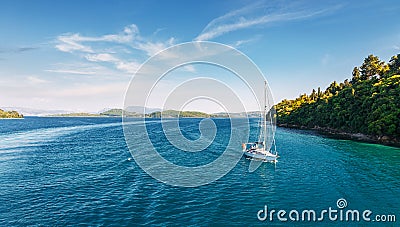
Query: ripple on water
pixel 78 172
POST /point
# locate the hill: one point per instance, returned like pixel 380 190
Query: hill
pixel 118 113
pixel 176 114
pixel 141 109
pixel 10 114
pixel 74 115
pixel 368 104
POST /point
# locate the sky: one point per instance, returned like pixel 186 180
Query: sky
pixel 81 55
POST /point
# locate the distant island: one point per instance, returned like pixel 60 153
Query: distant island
pixel 74 115
pixel 10 114
pixel 120 112
pixel 176 114
pixel 365 108
pixel 107 113
pixel 158 114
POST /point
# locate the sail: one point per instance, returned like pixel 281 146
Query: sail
pixel 270 128
pixel 268 121
pixel 261 149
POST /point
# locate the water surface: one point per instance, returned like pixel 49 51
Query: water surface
pixel 69 171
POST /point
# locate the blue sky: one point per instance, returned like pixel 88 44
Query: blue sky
pixel 81 55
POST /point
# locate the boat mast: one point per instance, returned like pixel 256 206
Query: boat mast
pixel 265 113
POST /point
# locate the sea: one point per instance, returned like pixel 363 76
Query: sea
pixel 67 171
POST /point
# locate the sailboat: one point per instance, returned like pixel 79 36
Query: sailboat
pixel 260 150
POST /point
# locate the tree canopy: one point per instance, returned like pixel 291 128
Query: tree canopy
pixel 368 104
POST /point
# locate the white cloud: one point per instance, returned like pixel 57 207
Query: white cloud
pixel 152 48
pixel 158 31
pixel 70 71
pixel 104 57
pixel 129 37
pixel 35 80
pixel 189 68
pixel 129 67
pixel 78 68
pixel 70 43
pixel 126 66
pixel 107 48
pixel 74 42
pixel 245 41
pixel 253 15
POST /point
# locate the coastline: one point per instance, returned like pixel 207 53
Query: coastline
pixel 338 134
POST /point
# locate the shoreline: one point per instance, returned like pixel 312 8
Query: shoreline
pixel 337 134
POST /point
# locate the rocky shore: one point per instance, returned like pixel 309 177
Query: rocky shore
pixel 338 134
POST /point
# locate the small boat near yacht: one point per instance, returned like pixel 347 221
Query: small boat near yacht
pixel 260 150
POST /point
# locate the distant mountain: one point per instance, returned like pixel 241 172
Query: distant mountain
pixel 253 114
pixel 141 109
pixel 75 115
pixel 104 110
pixel 131 111
pixel 108 113
pixel 175 114
pixel 197 114
pixel 118 113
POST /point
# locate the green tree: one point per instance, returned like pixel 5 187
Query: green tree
pixel 394 65
pixel 372 67
pixel 370 104
pixel 356 75
pixel 319 93
pixel 313 95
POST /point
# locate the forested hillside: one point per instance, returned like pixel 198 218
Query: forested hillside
pixel 180 114
pixel 10 114
pixel 369 103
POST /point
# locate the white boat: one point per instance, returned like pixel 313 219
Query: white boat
pixel 257 151
pixel 262 149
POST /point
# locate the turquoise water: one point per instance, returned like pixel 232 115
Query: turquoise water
pixel 70 171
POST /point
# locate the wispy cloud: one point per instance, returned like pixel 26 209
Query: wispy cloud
pixel 152 48
pixel 71 43
pixel 126 66
pixel 66 71
pixel 24 49
pixel 103 57
pixel 82 68
pixel 75 42
pixel 240 43
pixel 254 15
pixel 189 68
pixel 130 67
pixel 36 80
pixel 129 37
pixel 106 48
pixel 18 49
